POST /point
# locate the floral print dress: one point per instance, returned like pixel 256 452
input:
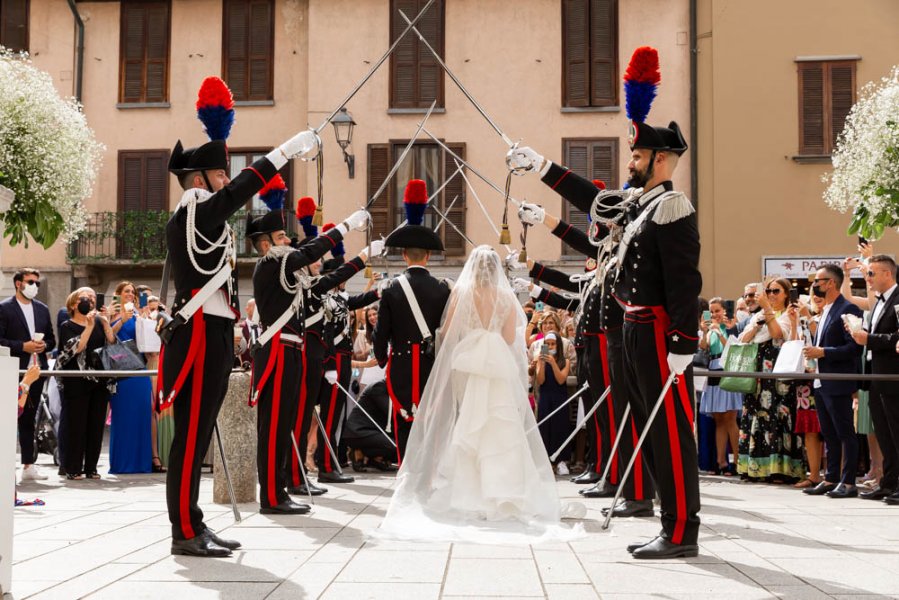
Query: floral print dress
pixel 768 445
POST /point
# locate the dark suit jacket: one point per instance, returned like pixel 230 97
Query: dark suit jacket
pixel 841 353
pixel 398 328
pixel 882 344
pixel 14 329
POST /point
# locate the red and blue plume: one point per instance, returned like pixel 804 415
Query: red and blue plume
pixel 338 249
pixel 215 108
pixel 641 82
pixel 415 201
pixel 273 193
pixel 305 211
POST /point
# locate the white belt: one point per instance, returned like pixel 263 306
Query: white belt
pixel 289 337
pixel 315 318
pixel 338 339
pixel 634 308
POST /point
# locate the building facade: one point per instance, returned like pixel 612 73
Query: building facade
pixel 547 71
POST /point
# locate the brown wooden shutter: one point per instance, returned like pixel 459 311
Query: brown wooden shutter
pixel 603 52
pixel 378 167
pixel 262 30
pixel 235 50
pixel 144 41
pixel 575 53
pixel 14 24
pixel 416 78
pixel 593 159
pixel 430 73
pixel 248 48
pixel 453 243
pixel 811 108
pixel 143 180
pixel 842 97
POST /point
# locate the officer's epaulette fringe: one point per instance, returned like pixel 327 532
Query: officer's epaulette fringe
pixel 673 207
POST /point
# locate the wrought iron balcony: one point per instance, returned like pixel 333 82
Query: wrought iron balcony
pixel 138 237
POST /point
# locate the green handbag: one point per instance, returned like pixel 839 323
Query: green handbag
pixel 740 358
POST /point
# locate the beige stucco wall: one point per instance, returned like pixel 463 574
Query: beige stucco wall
pixel 754 199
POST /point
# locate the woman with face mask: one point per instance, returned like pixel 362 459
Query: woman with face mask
pixel 84 399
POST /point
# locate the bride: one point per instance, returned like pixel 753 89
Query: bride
pixel 475 466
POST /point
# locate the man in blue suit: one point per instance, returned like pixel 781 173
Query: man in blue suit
pixel 836 352
pixel 21 318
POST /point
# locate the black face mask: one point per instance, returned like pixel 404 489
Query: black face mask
pixel 818 292
pixel 84 307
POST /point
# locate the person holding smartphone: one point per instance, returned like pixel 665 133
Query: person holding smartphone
pixel 550 376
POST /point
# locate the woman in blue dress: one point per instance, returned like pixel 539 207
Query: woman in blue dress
pixel 551 377
pixel 130 449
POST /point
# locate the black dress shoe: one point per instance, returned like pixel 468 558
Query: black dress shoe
pixel 589 476
pixel 632 547
pixel 662 548
pixel 606 490
pixel 820 489
pixel 200 545
pixel 631 508
pixel 892 499
pixel 288 507
pixel 383 466
pixel 843 491
pixel 229 544
pixel 877 493
pixel 334 477
pixel 301 490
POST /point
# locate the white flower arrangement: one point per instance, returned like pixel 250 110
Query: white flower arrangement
pixel 48 155
pixel 865 177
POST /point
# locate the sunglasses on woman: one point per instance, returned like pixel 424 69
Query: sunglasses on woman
pixel 773 291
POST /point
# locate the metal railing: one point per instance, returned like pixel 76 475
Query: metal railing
pixel 139 236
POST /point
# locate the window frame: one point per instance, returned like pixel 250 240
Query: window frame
pixel 121 156
pixel 144 101
pixel 612 103
pixel 419 103
pixel 567 208
pixel 826 66
pixel 27 47
pixel 270 93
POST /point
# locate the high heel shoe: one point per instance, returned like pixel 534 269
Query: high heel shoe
pixel 157 465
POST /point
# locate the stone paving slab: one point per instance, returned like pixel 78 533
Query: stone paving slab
pixel 109 539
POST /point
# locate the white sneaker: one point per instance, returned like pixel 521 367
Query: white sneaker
pixel 562 468
pixel 30 473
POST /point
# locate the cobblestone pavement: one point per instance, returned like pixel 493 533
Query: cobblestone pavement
pixel 110 539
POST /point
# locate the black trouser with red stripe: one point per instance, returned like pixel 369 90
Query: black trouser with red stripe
pixel 332 401
pixel 277 412
pixel 196 405
pixel 670 448
pixel 602 425
pixel 639 484
pixel 314 352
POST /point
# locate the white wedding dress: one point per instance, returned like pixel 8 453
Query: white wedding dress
pixel 475 467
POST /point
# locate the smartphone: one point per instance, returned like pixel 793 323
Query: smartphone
pixel 142 301
pixel 101 301
pixel 539 305
pixel 729 308
pixel 794 296
pixel 544 350
pixel 116 299
pixel 862 240
pixel 707 316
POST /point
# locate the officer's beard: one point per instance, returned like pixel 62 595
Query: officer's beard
pixel 638 179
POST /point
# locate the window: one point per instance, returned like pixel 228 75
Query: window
pixel 238 160
pixel 143 202
pixel 593 159
pixel 144 52
pixel 416 78
pixel 248 48
pixel 589 53
pixel 826 94
pixel 427 162
pixel 14 24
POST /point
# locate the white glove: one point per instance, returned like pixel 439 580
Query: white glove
pixel 679 362
pixel 358 220
pixel 524 160
pixel 305 143
pixel 331 377
pixel 531 214
pixel 521 285
pixel 376 249
pixel 513 262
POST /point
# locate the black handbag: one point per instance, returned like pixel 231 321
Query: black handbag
pixel 121 356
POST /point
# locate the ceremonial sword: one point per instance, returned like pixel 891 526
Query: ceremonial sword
pixel 579 425
pixel 365 412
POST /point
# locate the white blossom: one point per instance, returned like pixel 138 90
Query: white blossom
pixel 865 177
pixel 48 154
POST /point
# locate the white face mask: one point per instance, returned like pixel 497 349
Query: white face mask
pixel 154 315
pixel 30 291
pixel 742 314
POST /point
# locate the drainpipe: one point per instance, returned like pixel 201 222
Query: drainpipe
pixel 79 53
pixel 694 127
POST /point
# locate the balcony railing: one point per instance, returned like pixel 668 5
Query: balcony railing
pixel 138 237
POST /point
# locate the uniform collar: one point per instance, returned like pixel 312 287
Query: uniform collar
pixel 647 197
pixel 416 269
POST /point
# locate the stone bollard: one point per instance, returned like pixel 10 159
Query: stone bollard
pixel 237 423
